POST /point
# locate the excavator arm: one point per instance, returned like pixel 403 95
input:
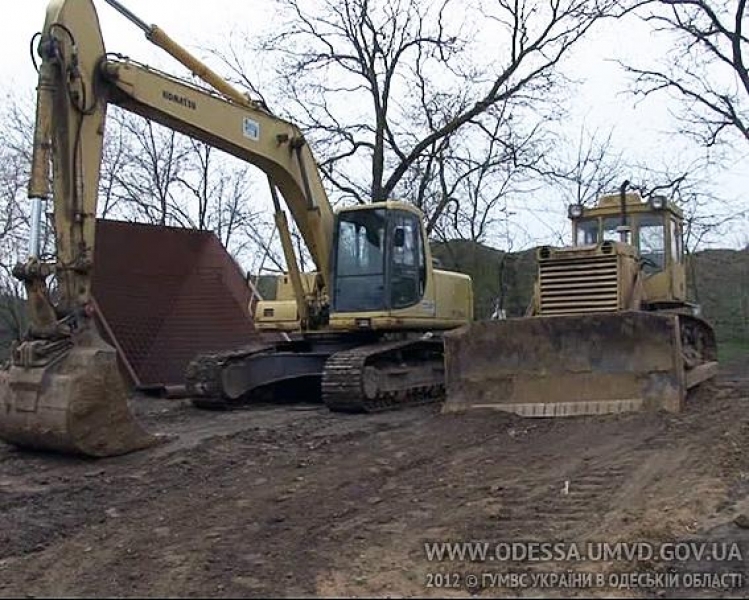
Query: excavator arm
pixel 68 134
pixel 63 390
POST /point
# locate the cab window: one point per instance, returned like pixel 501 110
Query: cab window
pixel 652 243
pixel 360 261
pixel 587 232
pixel 610 226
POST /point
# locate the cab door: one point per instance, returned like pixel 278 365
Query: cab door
pixel 406 273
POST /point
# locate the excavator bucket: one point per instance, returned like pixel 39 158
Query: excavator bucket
pixel 77 403
pixel 554 366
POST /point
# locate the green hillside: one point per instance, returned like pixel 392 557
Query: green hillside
pixel 500 279
pixel 12 321
pixel 718 281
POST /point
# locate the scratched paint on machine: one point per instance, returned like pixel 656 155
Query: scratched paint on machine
pixel 165 295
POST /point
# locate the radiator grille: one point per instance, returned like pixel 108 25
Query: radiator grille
pixel 579 285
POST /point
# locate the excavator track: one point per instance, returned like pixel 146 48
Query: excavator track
pixel 203 377
pixel 384 376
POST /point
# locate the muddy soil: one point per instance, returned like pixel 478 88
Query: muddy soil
pixel 296 501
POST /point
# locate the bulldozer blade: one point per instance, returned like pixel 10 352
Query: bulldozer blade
pixel 567 365
pixel 77 404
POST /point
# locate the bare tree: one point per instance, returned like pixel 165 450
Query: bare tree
pixel 383 87
pixel 117 150
pixel 706 67
pixel 584 169
pixel 473 175
pixel 219 196
pixel 15 159
pixel 707 215
pixel 150 171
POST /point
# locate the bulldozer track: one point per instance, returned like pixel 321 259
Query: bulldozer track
pixel 697 340
pixel 384 376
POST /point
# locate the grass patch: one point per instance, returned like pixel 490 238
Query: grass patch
pixel 732 350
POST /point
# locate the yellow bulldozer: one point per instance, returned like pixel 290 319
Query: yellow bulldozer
pixel 364 327
pixel 609 328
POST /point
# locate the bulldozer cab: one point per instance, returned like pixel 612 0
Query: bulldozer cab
pixel 653 228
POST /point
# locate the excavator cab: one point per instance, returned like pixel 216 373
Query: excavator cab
pixel 379 260
pixel 383 276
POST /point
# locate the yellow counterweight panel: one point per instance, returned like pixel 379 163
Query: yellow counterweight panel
pixel 277 315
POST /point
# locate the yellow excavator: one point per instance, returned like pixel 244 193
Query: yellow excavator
pixel 365 326
pixel 609 328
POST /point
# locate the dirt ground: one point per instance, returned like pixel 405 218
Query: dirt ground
pixel 295 501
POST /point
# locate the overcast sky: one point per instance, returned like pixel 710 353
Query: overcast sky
pixel 642 131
